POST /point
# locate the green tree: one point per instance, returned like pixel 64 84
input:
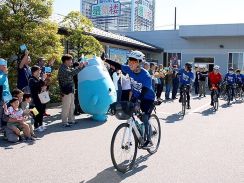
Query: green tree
pixel 78 27
pixel 28 22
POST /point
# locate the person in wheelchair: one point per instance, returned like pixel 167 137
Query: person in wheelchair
pixel 142 90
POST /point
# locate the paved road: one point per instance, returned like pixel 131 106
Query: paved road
pixel 204 147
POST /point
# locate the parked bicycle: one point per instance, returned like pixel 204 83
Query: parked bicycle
pixel 130 135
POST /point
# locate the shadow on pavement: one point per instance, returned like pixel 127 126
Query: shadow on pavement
pixel 174 118
pixel 110 175
pixel 54 127
pixel 82 123
pixel 207 112
pixel 226 105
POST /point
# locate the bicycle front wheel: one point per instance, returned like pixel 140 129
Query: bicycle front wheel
pixel 155 133
pixel 123 148
pixel 215 102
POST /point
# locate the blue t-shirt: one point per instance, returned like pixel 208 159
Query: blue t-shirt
pixel 24 75
pixel 6 95
pixel 139 80
pixel 230 78
pixel 186 77
pixel 240 78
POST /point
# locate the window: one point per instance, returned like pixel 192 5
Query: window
pixel 236 60
pixel 204 60
pixel 174 59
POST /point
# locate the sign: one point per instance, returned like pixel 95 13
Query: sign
pixel 144 11
pixel 118 55
pixel 106 8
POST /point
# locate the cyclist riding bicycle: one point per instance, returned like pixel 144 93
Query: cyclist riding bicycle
pixel 142 90
pixel 230 78
pixel 240 79
pixel 186 78
pixel 214 78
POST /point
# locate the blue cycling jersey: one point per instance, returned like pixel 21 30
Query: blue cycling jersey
pixel 139 80
pixel 186 77
pixel 230 78
pixel 240 78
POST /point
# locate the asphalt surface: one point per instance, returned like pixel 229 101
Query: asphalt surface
pixel 202 147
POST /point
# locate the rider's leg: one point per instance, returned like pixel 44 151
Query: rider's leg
pixel 147 107
pixel 180 100
pixel 188 98
pixel 212 93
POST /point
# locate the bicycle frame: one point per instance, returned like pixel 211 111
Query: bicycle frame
pixel 132 125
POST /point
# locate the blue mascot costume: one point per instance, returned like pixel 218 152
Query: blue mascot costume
pixel 96 89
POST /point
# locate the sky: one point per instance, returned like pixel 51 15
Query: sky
pixel 189 12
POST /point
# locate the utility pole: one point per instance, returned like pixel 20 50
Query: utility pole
pixel 175 20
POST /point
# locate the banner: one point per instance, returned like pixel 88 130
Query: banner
pixel 106 8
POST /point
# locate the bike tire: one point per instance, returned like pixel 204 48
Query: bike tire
pixel 216 102
pixel 154 150
pixel 116 165
pixel 229 96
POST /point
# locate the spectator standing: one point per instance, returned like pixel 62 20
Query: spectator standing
pixel 126 88
pixel 5 95
pixel 117 83
pixel 202 81
pixel 24 72
pixel 168 82
pixel 78 109
pixel 175 81
pixel 196 83
pixel 66 83
pixel 37 86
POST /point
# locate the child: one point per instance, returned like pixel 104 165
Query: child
pixel 25 106
pixel 16 113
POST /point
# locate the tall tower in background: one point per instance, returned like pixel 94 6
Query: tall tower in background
pixel 120 15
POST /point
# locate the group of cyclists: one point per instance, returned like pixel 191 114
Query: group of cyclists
pixel 144 95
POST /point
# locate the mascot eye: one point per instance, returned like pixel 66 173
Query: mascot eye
pixel 109 90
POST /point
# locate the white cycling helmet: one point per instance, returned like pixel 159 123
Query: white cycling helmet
pixel 137 55
pixel 216 67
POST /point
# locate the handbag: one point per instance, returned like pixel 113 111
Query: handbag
pixel 44 97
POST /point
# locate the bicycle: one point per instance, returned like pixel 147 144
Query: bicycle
pixel 239 92
pixel 229 93
pixel 185 89
pixel 215 97
pixel 133 136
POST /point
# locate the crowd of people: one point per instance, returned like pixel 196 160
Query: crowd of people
pixel 23 109
pixel 138 81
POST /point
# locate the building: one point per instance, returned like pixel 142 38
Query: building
pixel 200 44
pixel 118 46
pixel 120 15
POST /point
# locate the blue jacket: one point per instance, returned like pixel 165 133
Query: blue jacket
pixel 230 78
pixel 240 79
pixel 6 95
pixel 186 77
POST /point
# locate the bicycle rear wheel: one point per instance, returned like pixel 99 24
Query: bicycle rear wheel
pixel 123 148
pixel 155 133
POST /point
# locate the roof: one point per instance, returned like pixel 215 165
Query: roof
pixel 214 30
pixel 118 39
pixel 98 33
